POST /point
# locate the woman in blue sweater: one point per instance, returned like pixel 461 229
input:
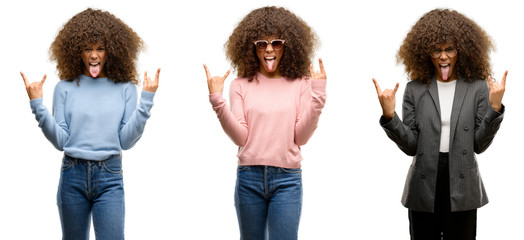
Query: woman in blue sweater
pixel 95 116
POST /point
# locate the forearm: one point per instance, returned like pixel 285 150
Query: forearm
pixel 405 137
pixel 133 129
pixel 52 131
pixel 308 119
pixel 488 128
pixel 235 127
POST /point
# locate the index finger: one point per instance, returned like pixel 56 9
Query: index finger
pixel 25 79
pixel 396 87
pixel 43 79
pixel 312 72
pixel 145 76
pixel 208 75
pixel 227 74
pixel 321 64
pixel 377 87
pixel 489 80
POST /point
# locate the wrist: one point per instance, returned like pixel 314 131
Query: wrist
pixel 388 115
pixel 215 90
pixel 35 96
pixel 496 107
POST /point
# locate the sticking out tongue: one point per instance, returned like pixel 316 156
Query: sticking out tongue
pixel 444 71
pixel 94 70
pixel 270 64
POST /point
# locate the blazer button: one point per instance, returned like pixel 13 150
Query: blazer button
pixel 423 176
pixel 420 152
pixel 465 151
pixel 461 175
pixel 466 128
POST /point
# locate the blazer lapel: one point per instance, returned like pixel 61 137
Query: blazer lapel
pixel 460 94
pixel 433 92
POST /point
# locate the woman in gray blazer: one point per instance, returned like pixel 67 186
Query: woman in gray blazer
pixel 450 113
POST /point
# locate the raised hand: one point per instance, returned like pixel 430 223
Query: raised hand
pixel 215 84
pixel 151 86
pixel 496 91
pixel 34 89
pixel 387 100
pixel 318 75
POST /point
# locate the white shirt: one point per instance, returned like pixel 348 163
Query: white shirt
pixel 446 94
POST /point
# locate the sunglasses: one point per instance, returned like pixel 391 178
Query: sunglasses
pixel 277 44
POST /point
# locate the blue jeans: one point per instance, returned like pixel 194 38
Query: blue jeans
pixel 268 201
pixel 91 187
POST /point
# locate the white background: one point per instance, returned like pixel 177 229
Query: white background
pixel 180 177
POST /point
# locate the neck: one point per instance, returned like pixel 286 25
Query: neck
pixel 450 79
pixel 275 74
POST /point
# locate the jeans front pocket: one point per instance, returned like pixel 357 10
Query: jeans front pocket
pixel 67 164
pixel 242 168
pixel 291 170
pixel 113 165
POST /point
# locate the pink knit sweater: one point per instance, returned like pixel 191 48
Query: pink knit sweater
pixel 271 118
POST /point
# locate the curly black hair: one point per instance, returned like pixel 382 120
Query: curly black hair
pixel 441 26
pixel 92 26
pixel 301 42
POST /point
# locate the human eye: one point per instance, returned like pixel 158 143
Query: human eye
pixel 276 42
pixel 261 44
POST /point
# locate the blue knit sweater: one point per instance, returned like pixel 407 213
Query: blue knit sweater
pixel 94 119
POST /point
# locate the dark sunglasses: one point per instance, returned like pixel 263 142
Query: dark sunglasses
pixel 277 44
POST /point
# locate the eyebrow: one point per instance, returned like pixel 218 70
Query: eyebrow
pixel 448 48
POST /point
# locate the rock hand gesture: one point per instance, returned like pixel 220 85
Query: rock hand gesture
pixel 387 100
pixel 34 89
pixel 216 83
pixel 496 92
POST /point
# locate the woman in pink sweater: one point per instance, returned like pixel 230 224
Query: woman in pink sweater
pixel 275 106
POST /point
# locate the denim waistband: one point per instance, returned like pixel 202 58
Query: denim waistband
pixel 112 157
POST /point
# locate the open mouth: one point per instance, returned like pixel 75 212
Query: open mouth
pixel 270 62
pixel 94 69
pixel 444 70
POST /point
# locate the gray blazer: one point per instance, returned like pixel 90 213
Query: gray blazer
pixel 474 124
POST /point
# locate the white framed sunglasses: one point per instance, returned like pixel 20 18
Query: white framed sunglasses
pixel 277 44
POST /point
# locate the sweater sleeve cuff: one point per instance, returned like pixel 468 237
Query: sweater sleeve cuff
pixel 319 86
pixel 147 96
pixel 36 103
pixel 216 99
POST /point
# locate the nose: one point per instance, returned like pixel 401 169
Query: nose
pixel 443 54
pixel 269 47
pixel 93 55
